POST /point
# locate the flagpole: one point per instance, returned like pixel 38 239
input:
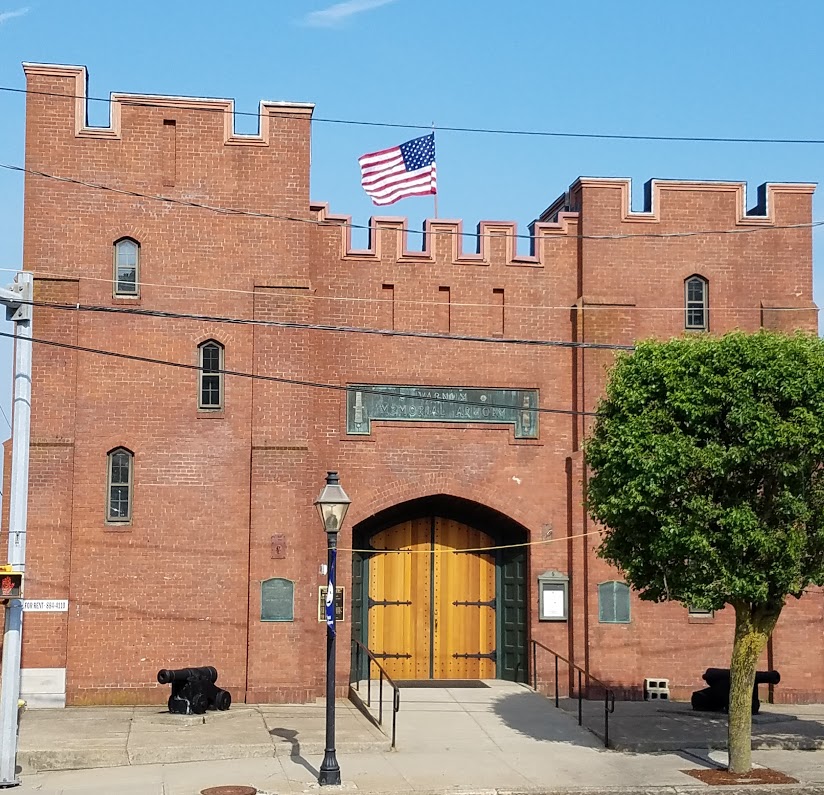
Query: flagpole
pixel 435 195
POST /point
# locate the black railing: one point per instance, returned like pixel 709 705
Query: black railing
pixel 361 650
pixel 609 695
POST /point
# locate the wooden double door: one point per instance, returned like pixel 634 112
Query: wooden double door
pixel 431 605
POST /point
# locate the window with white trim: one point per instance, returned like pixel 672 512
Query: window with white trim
pixel 126 267
pixel 696 303
pixel 699 612
pixel 210 361
pixel 119 491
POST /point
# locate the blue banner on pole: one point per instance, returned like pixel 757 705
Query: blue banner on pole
pixel 330 592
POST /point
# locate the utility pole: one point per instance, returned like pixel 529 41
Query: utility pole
pixel 18 302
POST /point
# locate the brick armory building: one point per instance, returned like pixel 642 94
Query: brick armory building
pixel 172 508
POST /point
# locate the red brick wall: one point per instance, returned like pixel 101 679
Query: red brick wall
pixel 180 585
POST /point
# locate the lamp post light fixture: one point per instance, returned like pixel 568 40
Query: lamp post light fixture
pixel 332 504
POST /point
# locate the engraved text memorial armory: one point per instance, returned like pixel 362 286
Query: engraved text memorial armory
pixel 367 402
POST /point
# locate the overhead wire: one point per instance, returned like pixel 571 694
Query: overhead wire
pixel 313 296
pixel 349 225
pixel 284 380
pixel 449 550
pixel 146 101
pixel 289 324
pixel 4 416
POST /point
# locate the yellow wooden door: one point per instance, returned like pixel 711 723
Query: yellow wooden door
pixel 399 604
pixel 463 613
pixel 431 610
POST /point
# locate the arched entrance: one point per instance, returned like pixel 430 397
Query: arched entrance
pixel 430 603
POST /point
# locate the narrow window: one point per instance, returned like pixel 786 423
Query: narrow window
pixel 211 377
pixel 389 311
pixel 699 612
pixel 696 302
pixel 126 267
pixel 613 603
pixel 498 303
pixel 121 467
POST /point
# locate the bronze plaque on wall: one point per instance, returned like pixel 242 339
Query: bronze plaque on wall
pixel 278 547
pixel 277 600
pixel 367 402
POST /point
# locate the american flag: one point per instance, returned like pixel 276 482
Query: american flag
pixel 405 170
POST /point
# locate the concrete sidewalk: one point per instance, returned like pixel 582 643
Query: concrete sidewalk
pixel 95 737
pixel 554 769
pixel 500 738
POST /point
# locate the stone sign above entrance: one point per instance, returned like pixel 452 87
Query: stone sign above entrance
pixel 367 402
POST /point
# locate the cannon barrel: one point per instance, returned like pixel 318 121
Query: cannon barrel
pixel 166 675
pixel 767 677
pixel 720 677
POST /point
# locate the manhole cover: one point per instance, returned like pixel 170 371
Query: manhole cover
pixel 230 790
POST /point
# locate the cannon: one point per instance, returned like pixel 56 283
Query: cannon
pixel 194 690
pixel 716 697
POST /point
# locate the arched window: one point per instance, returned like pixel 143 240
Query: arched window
pixel 210 394
pixel 126 267
pixel 696 303
pixel 119 493
pixel 613 602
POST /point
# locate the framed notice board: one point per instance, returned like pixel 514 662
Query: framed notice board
pixel 339 601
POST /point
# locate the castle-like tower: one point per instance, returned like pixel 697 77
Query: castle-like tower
pixel 172 507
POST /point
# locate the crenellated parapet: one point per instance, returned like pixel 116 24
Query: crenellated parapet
pixel 76 80
pixel 495 241
pixel 661 195
pixel 685 208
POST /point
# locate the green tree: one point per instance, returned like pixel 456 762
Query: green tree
pixel 706 459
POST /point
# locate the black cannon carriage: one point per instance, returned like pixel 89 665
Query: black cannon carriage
pixel 716 697
pixel 194 690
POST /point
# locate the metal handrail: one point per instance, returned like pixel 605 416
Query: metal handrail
pixel 609 694
pixel 396 696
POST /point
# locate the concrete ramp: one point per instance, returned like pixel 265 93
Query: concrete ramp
pixel 500 716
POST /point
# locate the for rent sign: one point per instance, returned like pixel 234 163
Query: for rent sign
pixel 45 605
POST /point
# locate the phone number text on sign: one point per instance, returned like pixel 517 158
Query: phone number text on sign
pixel 45 605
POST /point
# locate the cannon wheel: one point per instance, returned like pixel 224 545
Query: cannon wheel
pixel 199 704
pixel 223 700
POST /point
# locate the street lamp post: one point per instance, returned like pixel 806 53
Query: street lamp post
pixel 332 504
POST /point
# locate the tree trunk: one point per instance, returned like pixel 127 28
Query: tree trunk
pixel 753 627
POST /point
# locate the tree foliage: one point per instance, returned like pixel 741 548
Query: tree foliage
pixel 706 460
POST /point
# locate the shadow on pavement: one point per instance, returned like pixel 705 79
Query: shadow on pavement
pixel 535 716
pixel 291 736
pixel 673 726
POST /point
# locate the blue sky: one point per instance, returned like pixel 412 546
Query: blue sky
pixel 700 68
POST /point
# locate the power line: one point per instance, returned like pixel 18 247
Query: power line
pixel 448 551
pixel 283 380
pixel 349 225
pixel 412 301
pixel 289 324
pixel 147 103
pixel 5 417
